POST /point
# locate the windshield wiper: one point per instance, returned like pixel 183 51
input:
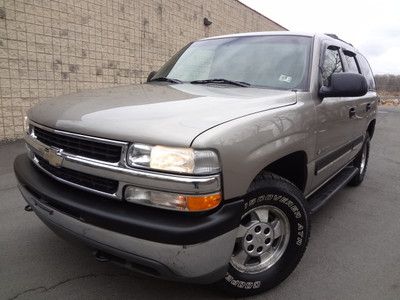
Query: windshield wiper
pixel 173 80
pixel 222 80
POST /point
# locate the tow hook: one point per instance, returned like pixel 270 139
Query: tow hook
pixel 101 256
pixel 28 208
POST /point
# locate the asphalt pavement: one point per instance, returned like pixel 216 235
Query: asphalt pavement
pixel 353 253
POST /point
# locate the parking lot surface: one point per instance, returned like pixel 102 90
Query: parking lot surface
pixel 353 253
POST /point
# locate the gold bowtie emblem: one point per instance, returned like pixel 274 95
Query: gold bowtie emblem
pixel 53 156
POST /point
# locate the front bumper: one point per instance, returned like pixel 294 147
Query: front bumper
pixel 177 246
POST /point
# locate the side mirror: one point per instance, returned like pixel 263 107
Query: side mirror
pixel 151 75
pixel 345 85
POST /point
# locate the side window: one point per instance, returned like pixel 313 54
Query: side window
pixel 366 71
pixel 332 64
pixel 351 62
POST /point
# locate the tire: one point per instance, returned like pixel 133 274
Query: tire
pixel 361 162
pixel 277 201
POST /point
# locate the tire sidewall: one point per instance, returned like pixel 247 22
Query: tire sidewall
pixel 294 208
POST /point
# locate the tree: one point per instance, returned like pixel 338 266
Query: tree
pixel 388 83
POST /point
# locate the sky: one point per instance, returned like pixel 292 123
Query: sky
pixel 373 27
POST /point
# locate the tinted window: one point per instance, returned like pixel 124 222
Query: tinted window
pixel 366 71
pixel 278 62
pixel 351 63
pixel 332 64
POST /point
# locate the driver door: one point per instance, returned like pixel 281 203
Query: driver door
pixel 335 130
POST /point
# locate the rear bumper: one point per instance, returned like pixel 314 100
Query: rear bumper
pixel 159 243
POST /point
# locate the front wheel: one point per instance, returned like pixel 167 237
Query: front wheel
pixel 271 238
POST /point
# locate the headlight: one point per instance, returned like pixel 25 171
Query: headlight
pixel 26 125
pixel 172 200
pixel 179 160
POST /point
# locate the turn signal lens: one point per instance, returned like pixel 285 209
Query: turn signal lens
pixel 199 203
pixel 172 200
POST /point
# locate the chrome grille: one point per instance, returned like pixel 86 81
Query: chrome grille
pixel 104 185
pixel 78 146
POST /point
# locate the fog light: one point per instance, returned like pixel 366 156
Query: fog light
pixel 172 200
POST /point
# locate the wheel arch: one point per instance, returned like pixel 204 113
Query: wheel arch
pixel 292 167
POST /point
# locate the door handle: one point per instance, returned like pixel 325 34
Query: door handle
pixel 352 112
pixel 368 107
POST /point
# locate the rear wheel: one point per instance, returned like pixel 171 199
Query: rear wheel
pixel 361 162
pixel 271 238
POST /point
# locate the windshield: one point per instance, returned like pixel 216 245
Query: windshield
pixel 278 62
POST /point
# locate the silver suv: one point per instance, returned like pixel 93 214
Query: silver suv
pixel 210 171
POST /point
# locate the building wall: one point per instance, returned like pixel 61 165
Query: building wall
pixel 51 47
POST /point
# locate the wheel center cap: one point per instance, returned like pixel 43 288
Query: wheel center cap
pixel 258 239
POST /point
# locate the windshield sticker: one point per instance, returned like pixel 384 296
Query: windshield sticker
pixel 285 78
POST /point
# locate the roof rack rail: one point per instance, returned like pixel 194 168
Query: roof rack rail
pixel 334 36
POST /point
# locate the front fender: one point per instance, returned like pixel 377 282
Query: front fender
pixel 247 145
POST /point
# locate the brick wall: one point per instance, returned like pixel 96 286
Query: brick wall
pixel 50 47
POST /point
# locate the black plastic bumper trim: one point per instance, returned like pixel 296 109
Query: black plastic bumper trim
pixel 148 223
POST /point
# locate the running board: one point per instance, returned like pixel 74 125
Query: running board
pixel 321 197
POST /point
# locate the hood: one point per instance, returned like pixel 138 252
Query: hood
pixel 155 113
